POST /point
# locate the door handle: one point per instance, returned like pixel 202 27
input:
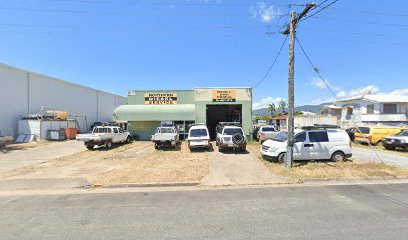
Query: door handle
pixel 308 145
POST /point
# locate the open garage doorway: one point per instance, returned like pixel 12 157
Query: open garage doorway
pixel 222 113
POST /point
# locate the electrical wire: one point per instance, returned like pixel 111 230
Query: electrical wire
pixel 273 64
pixel 331 90
pixel 321 9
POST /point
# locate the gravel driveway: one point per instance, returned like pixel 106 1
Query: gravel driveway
pixel 369 155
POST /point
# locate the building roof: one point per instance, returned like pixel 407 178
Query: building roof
pixel 283 117
pixel 178 112
pixel 381 98
pixel 331 107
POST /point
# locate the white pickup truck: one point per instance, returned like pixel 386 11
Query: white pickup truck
pixel 165 136
pixel 104 136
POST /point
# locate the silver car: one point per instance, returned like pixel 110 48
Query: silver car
pixel 266 132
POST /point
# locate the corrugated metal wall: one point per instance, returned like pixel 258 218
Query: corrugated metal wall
pixel 23 92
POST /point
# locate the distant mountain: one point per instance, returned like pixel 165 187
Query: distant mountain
pixel 304 108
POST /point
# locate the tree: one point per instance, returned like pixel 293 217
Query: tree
pixel 282 106
pixel 299 113
pixel 271 109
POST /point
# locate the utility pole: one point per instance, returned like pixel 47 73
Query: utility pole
pixel 291 29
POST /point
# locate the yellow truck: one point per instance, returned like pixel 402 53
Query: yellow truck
pixel 375 134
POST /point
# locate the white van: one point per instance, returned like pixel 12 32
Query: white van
pixel 198 137
pixel 316 144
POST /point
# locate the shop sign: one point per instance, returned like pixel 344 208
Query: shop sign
pixel 224 96
pixel 160 98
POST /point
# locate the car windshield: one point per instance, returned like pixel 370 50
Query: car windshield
pixel 363 130
pixel 102 130
pixel 268 129
pixel 198 132
pixel 232 131
pixel 281 137
pixel 166 130
pixel 403 134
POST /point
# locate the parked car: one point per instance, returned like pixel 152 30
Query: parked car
pixel 265 133
pixel 312 144
pixel 399 140
pixel 165 136
pixel 232 137
pixel 104 136
pixel 374 135
pixel 198 137
pixel 220 127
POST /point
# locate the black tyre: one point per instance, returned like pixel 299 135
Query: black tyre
pixel 238 139
pixel 389 147
pixel 281 158
pixel 338 157
pixel 90 146
pixel 220 149
pixel 108 145
pixel 128 139
pixel 243 149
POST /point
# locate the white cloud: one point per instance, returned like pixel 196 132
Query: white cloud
pixel 265 12
pixel 317 82
pixel 370 89
pixel 266 101
pixel 403 91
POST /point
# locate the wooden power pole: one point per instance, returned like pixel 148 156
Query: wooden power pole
pixel 291 29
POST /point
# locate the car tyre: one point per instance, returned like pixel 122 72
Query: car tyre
pixel 220 149
pixel 128 139
pixel 338 157
pixel 108 145
pixel 281 158
pixel 89 146
pixel 390 147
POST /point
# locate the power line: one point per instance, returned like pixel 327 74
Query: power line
pixel 321 9
pixel 330 89
pixel 273 64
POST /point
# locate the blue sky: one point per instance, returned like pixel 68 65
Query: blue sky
pixel 117 45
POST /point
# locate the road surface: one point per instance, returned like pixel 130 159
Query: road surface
pixel 368 155
pixel 317 212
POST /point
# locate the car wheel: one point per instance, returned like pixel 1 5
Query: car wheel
pixel 128 139
pixel 338 157
pixel 379 143
pixel 281 157
pixel 156 147
pixel 216 144
pixel 90 146
pixel 220 149
pixel 390 148
pixel 108 145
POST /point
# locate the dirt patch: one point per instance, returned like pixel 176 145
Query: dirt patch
pixel 178 165
pixel 327 169
pixel 138 162
pixel 23 146
pixel 398 151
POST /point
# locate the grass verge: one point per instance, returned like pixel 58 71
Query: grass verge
pixel 327 169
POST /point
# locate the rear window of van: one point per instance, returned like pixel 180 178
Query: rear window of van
pixel 365 130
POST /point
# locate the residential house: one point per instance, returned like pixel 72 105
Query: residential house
pixel 332 111
pixel 374 109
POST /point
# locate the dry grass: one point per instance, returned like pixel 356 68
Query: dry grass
pixel 327 169
pixel 398 151
pixel 138 162
pixel 160 166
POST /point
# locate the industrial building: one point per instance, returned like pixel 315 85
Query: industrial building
pixel 24 92
pixel 146 110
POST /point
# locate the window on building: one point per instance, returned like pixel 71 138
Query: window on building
pixel 370 109
pixel 390 108
pixel 318 137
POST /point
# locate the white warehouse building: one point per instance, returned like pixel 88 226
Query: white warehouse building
pixel 24 92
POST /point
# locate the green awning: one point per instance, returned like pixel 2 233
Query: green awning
pixel 177 112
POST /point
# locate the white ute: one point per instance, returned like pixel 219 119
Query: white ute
pixel 198 137
pixel 313 144
pixel 104 136
pixel 165 136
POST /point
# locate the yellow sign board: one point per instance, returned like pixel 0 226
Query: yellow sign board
pixel 160 98
pixel 224 96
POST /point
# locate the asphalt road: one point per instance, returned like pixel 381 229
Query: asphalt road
pixel 368 155
pixel 320 212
